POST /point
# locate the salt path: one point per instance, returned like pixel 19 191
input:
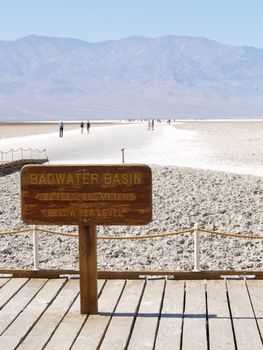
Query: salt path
pixel 165 145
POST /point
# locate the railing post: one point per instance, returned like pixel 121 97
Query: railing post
pixel 122 156
pixel 21 153
pixel 12 153
pixel 30 153
pixel 196 249
pixel 2 157
pixel 35 248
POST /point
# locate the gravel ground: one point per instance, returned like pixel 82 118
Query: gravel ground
pixel 181 197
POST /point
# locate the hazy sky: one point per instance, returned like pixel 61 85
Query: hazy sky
pixel 237 22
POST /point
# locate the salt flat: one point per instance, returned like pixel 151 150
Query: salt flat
pixel 233 147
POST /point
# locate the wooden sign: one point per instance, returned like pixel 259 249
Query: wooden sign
pixel 86 194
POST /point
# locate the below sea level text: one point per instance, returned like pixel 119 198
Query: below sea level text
pixel 84 213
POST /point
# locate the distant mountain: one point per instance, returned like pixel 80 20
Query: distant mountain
pixel 170 76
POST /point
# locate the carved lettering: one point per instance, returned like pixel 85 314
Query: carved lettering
pixel 34 179
pixel 85 197
pixel 123 179
pixel 90 194
pixel 98 213
pixel 86 179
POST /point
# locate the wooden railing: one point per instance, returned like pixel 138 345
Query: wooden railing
pixel 196 230
pixel 20 154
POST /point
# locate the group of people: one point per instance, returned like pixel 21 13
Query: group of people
pixel 151 124
pixel 61 127
pixel 82 126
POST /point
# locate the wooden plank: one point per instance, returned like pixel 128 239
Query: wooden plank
pixel 3 281
pixel 143 335
pixel 170 326
pixel 178 275
pixel 88 269
pixel 20 300
pixel 39 273
pixel 86 194
pixel 94 328
pixel 194 326
pixel 135 274
pixel 245 327
pixel 255 289
pixel 51 318
pixel 22 325
pixel 9 289
pixel 219 319
pixel 211 275
pixel 121 323
pixel 70 326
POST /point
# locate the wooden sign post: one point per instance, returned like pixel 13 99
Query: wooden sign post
pixel 86 195
pixel 88 269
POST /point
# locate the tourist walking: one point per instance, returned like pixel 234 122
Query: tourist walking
pixel 81 126
pixel 61 128
pixel 149 125
pixel 88 126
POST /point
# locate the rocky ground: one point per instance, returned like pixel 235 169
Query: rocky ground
pixel 181 197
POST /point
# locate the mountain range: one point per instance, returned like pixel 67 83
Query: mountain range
pixel 45 78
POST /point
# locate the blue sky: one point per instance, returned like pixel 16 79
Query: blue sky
pixel 237 22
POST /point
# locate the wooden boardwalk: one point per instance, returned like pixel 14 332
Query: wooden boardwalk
pixel 137 314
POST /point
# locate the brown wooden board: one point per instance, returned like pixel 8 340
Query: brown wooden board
pixel 86 194
pixel 135 274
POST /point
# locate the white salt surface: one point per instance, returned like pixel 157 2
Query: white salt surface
pixel 165 145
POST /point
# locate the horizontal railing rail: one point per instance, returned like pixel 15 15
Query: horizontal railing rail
pixel 196 233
